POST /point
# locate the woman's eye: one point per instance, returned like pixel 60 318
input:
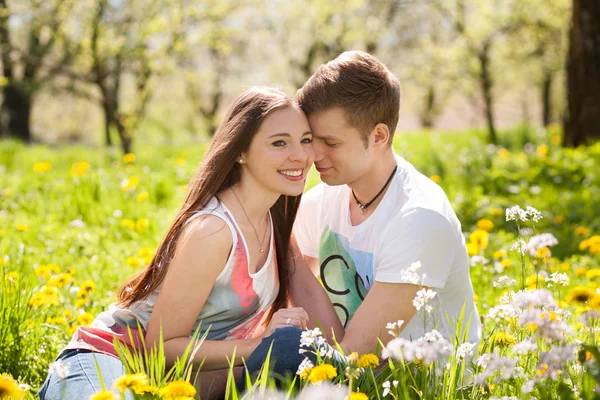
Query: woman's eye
pixel 331 144
pixel 307 140
pixel 279 143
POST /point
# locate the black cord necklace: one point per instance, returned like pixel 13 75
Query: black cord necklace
pixel 363 207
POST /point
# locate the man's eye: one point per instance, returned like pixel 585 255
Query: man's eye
pixel 307 140
pixel 279 143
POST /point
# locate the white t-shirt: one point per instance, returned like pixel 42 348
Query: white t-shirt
pixel 414 222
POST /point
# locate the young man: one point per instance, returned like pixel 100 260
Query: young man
pixel 374 216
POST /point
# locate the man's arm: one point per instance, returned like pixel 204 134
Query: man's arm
pixel 307 292
pixel 385 302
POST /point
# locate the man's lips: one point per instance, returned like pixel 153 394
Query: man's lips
pixel 322 169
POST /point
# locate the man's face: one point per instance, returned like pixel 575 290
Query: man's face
pixel 340 153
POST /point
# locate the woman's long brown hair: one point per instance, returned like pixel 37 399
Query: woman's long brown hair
pixel 218 171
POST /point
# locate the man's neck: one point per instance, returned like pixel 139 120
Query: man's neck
pixel 370 184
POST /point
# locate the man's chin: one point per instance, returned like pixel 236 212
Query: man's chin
pixel 332 181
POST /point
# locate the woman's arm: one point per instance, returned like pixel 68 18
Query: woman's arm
pixel 307 292
pixel 202 252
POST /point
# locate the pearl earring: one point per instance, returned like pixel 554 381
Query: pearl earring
pixel 240 160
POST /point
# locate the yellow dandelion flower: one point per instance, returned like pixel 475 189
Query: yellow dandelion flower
pixel 79 168
pixel 85 319
pixel 304 374
pixel 485 225
pixel 3 261
pixel 60 280
pixel 580 294
pixel 145 252
pixel 104 395
pixel 480 238
pixel 183 188
pixel 141 224
pixel 129 158
pixel 532 327
pixel 475 297
pixel 87 286
pixel 496 211
pixel 180 161
pixel 1 233
pixel 41 167
pixel 580 272
pixel 357 396
pixel 9 388
pixel 541 370
pixel 177 390
pixel 543 252
pixel 142 197
pixel 12 277
pixel 582 231
pixel 542 150
pixel 559 219
pixel 593 273
pixel 133 262
pixel 321 373
pixel 436 178
pixel 130 183
pixel 8 192
pixel 472 249
pixel 137 383
pixel 128 223
pixel 22 227
pixel 498 254
pixel 368 361
pixel 73 329
pixel 595 302
pixel 503 153
pixel 43 272
pixel 36 300
pixel 504 339
pixel 505 263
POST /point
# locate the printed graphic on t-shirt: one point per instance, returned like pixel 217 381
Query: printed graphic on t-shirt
pixel 346 274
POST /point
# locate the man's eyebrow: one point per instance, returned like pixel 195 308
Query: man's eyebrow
pixel 325 137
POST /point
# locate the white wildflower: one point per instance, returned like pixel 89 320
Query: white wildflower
pixel 305 364
pixel 516 213
pixel 533 213
pixel 465 350
pixel 310 337
pixel 60 369
pixel 559 279
pixel 520 246
pixel 427 349
pixel 504 282
pixel 422 299
pixel 527 346
pixel 410 274
pixel 528 386
pixel 541 241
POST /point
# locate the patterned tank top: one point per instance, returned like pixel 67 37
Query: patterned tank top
pixel 234 308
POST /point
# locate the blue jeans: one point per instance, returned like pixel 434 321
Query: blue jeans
pixel 285 358
pixel 82 380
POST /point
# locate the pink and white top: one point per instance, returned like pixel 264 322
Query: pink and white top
pixel 234 309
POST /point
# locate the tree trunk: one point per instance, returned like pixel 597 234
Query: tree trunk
pixel 429 111
pixel 17 108
pixel 485 80
pixel 124 135
pixel 547 98
pixel 107 127
pixel 583 74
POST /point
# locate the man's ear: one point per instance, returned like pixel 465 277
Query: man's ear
pixel 380 135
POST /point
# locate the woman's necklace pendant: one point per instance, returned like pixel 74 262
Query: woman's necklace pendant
pixel 262 250
pixel 362 207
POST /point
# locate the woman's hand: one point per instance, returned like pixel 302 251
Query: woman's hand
pixel 295 316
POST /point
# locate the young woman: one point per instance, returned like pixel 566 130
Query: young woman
pixel 222 267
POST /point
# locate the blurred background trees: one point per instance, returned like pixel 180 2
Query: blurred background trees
pixel 111 71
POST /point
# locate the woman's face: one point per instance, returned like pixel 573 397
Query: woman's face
pixel 281 153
